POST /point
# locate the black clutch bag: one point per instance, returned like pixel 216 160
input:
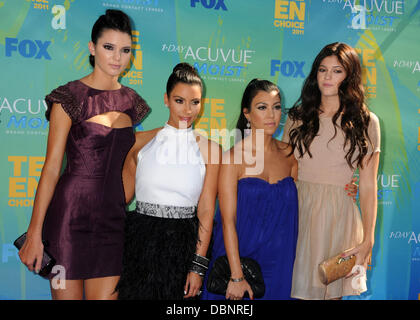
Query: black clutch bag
pixel 48 261
pixel 219 276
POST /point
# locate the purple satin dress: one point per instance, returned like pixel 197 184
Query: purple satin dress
pixel 84 224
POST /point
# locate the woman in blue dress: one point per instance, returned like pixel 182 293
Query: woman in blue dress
pixel 258 206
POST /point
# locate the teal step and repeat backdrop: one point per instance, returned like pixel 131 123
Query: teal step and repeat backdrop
pixel 43 44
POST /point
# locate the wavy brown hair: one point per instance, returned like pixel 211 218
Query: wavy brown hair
pixel 355 114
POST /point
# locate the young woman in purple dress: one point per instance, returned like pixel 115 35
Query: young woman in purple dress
pixel 81 213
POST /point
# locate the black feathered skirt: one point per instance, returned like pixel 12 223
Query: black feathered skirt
pixel 159 245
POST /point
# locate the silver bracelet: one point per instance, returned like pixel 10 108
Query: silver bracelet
pixel 201 261
pixel 237 279
pixel 198 270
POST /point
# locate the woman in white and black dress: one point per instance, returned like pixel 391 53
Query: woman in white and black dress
pixel 168 234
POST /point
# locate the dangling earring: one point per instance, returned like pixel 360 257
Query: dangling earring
pixel 247 131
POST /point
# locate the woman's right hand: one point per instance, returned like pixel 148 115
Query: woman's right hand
pixel 236 290
pixel 60 123
pixel 31 253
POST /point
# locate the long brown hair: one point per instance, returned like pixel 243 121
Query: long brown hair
pixel 355 114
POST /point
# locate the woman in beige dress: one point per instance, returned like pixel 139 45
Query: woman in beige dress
pixel 332 133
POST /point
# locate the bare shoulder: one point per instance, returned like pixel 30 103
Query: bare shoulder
pixel 205 141
pixel 283 147
pixel 285 150
pixel 234 159
pixel 143 137
pixel 147 135
pixel 230 153
pixel 210 150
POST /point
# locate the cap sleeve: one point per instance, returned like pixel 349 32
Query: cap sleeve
pixel 67 99
pixel 141 108
pixel 374 132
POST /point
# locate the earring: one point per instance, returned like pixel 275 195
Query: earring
pixel 247 131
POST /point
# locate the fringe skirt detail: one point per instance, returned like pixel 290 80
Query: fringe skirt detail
pixel 157 255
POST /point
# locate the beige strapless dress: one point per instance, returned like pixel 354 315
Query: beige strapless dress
pixel 329 220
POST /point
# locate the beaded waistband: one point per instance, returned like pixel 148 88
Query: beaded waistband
pixel 165 211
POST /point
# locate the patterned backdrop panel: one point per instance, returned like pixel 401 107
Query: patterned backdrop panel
pixel 44 44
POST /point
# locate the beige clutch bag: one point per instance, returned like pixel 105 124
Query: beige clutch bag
pixel 335 268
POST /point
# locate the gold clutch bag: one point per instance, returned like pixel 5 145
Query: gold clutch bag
pixel 335 268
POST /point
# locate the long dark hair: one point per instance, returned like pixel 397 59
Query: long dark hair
pixel 113 20
pixel 355 114
pixel 251 90
pixel 185 73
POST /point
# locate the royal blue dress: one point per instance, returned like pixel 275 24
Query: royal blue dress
pixel 267 227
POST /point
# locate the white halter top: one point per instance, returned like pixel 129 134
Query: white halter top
pixel 170 170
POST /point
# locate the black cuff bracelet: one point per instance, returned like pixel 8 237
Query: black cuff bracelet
pixel 198 270
pixel 199 264
pixel 201 261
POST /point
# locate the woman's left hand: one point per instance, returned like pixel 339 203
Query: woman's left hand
pixel 192 285
pixel 352 188
pixel 362 253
